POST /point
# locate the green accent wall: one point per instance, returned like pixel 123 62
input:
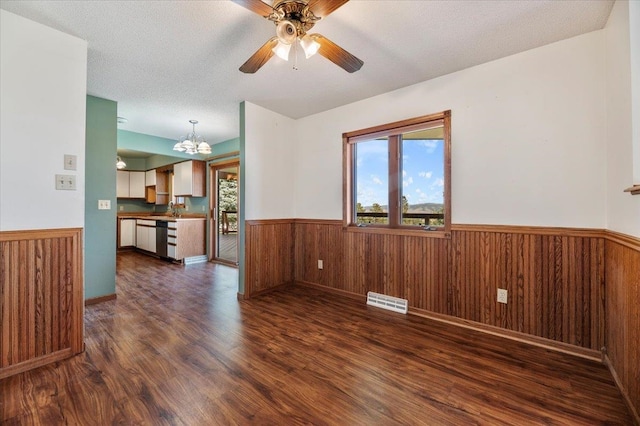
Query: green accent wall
pixel 100 184
pixel 241 215
pixel 153 145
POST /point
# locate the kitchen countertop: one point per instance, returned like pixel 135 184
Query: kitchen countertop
pixel 147 216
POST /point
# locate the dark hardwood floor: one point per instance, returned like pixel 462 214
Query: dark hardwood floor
pixel 177 347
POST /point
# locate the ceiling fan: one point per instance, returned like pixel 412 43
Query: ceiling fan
pixel 293 19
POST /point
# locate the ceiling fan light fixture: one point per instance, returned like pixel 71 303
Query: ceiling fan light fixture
pixel 286 32
pixel 282 50
pixel 309 45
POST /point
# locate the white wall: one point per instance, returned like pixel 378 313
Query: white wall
pixel 528 138
pixel 43 80
pixel 269 148
pixel 623 209
pixel 634 48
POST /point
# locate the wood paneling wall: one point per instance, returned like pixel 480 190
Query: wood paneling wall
pixel 622 297
pixel 41 298
pixel 554 279
pixel 268 255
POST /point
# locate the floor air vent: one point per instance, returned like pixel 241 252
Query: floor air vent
pixel 387 302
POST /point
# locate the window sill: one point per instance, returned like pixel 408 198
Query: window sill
pixel 634 190
pixel 397 231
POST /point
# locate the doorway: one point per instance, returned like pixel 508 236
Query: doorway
pixel 224 209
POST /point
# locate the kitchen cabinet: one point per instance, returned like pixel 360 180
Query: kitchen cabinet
pixel 158 192
pixel 186 238
pixel 150 178
pixel 127 233
pixel 130 184
pixel 146 235
pixel 136 184
pixel 189 179
pixel 122 184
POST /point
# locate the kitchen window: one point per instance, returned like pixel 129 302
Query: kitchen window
pixel 397 177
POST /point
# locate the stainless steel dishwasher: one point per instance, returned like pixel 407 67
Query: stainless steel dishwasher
pixel 161 238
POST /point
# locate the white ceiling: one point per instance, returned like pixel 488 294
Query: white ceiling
pixel 166 62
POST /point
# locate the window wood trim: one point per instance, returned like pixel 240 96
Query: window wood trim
pixel 393 130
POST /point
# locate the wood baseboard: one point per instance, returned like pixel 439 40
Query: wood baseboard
pixel 100 299
pixel 625 395
pixel 589 354
pixel 265 291
pixel 343 293
pixel 552 345
pixel 35 363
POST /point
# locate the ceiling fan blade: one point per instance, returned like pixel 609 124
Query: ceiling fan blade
pixel 337 54
pixel 257 6
pixel 322 8
pixel 260 58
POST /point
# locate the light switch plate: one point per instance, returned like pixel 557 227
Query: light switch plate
pixel 66 182
pixel 104 204
pixel 70 162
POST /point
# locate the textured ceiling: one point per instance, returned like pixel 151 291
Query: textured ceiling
pixel 166 62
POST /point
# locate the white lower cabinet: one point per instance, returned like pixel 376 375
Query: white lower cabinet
pixel 127 233
pixel 146 235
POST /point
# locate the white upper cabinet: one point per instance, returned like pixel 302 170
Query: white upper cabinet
pixel 189 179
pixel 136 184
pixel 122 184
pixel 130 184
pixel 150 178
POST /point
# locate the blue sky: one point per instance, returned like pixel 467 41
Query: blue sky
pixel 422 174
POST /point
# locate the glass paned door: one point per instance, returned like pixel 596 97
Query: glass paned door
pixel 225 223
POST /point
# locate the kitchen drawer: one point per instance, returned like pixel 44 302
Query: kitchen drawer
pixel 172 232
pixel 171 240
pixel 171 251
pixel 144 222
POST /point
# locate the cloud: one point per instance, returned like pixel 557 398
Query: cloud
pixel 439 183
pixel 404 173
pixel 375 179
pixel 422 197
pixel 407 182
pixel 430 145
pixel 368 195
pixel 426 175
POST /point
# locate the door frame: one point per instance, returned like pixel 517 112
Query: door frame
pixel 213 214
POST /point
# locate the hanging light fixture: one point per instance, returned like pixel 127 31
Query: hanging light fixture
pixel 309 45
pixel 120 164
pixel 192 143
pixel 288 34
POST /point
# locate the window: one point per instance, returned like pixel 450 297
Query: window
pixel 397 176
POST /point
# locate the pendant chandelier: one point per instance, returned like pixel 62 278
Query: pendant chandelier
pixel 192 143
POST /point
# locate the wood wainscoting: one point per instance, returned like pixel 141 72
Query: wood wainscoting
pixel 269 250
pixel 41 298
pixel 622 296
pixel 555 278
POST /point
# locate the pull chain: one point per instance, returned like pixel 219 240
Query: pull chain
pixel 295 55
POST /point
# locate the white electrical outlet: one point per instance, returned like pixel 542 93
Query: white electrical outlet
pixel 203 208
pixel 320 264
pixel 186 208
pixel 104 204
pixel 502 295
pixel 66 182
pixel 70 162
pixel 121 208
